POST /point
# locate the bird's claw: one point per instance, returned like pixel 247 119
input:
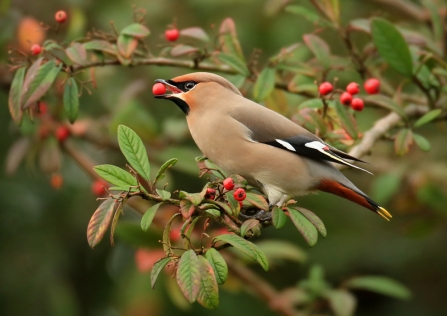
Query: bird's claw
pixel 262 216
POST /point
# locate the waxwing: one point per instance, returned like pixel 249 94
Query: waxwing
pixel 273 153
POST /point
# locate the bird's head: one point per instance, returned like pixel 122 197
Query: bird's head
pixel 196 90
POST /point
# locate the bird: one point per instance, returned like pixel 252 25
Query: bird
pixel 271 152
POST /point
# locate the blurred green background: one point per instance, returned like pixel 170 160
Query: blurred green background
pixel 47 267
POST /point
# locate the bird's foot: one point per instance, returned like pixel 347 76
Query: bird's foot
pixel 261 215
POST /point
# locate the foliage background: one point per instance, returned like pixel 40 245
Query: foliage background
pixel 47 267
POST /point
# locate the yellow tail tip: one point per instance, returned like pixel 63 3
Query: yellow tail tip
pixel 384 213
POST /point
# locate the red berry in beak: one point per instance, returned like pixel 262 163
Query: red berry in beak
pixel 158 89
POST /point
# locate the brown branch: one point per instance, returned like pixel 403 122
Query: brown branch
pixel 190 64
pixel 260 287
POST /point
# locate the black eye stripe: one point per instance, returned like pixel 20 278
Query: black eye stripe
pixel 185 86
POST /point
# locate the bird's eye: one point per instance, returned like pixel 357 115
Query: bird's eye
pixel 189 85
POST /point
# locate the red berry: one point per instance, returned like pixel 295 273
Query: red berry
pixel 228 184
pixel 210 193
pixel 346 98
pixel 325 88
pixel 240 204
pixel 239 194
pixel 56 181
pixel 158 89
pixel 372 86
pixel 43 108
pixel 60 16
pixel 62 133
pixel 353 88
pixel 172 35
pixel 357 104
pixel 98 187
pixel 36 49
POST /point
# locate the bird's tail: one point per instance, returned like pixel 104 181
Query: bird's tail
pixel 354 195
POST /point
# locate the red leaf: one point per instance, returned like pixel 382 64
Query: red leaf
pixel 100 221
pixel 127 45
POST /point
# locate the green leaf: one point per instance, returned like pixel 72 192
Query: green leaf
pixel 196 198
pixel 341 302
pixel 126 45
pixel 392 46
pixel 319 48
pixel 347 121
pixel 187 208
pixel 166 236
pixel 161 172
pixel 123 188
pixel 303 12
pixel 228 39
pixel 234 205
pixel 15 94
pixel 136 30
pixel 314 219
pixel 77 53
pixel 279 218
pixel 276 250
pixel 186 235
pixel 222 205
pixel 265 83
pixel 59 52
pixel 311 120
pixel 218 264
pixel 133 149
pixel 304 226
pixel 403 141
pixel 209 291
pixel 428 117
pixel 311 104
pixel 213 212
pixel 246 247
pixel 436 20
pixel 386 103
pixel 247 225
pixel 102 46
pixel 382 285
pixel 234 62
pixel 180 50
pixel 157 268
pixel 71 100
pixel 257 201
pixel 100 221
pixel 196 33
pixel 148 216
pixel 422 142
pixel 165 195
pixel 38 81
pixel 115 175
pixel 188 275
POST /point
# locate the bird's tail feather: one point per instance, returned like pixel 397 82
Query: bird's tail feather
pixel 353 195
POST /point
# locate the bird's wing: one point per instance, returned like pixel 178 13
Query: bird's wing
pixel 273 129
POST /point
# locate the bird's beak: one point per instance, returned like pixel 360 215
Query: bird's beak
pixel 169 87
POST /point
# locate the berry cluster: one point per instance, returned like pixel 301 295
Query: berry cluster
pixel 239 194
pixel 372 86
